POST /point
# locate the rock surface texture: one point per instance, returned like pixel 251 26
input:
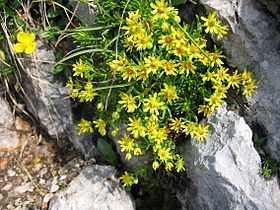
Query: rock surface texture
pixel 46 98
pixel 225 170
pixel 96 188
pixel 8 137
pixel 254 42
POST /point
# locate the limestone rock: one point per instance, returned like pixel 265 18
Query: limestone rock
pixel 95 188
pixel 254 42
pixel 225 170
pixel 6 116
pixel 8 137
pixel 47 99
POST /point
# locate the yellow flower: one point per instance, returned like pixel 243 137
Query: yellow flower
pixel 159 135
pixel 205 109
pixel 88 94
pixel 214 101
pixel 137 151
pixel 221 75
pixel 79 68
pixel 164 154
pixel 126 143
pixel 215 58
pixel 190 128
pixel 170 68
pixel 85 126
pixel 169 166
pixel 193 52
pixel 144 72
pixel 129 43
pixel 187 67
pixel 153 63
pixel 246 77
pixel 166 41
pixel 119 63
pixel 211 23
pixel 153 105
pixel 155 165
pixel 177 125
pixel 178 37
pixel 249 88
pixel 180 165
pixel 201 132
pixel 26 43
pixel 101 126
pixel 128 102
pixel 129 73
pixel 144 41
pixel 208 76
pixel 161 10
pixel 136 127
pixel 128 180
pixel 220 89
pixel 234 80
pixel 169 92
pixel 133 17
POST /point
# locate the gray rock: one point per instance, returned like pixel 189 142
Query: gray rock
pixel 254 42
pixel 85 11
pixel 225 170
pixel 8 137
pixel 96 188
pixel 6 116
pixel 47 99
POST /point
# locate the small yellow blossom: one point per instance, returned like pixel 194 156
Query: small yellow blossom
pixel 160 135
pixel 79 68
pixel 211 23
pixel 153 63
pixel 234 80
pixel 169 92
pixel 155 165
pixel 170 68
pixel 164 154
pixel 137 151
pixel 249 88
pixel 187 67
pixel 180 165
pixel 88 94
pixel 128 73
pixel 220 89
pixel 201 132
pixel 177 125
pixel 214 101
pixel 169 166
pixel 126 143
pixel 133 17
pixel 128 102
pixel 205 109
pixel 136 127
pixel 85 126
pixel 161 10
pixel 153 104
pixel 101 126
pixel 216 57
pixel 144 41
pixel 190 128
pixel 221 75
pixel 128 179
pixel 166 41
pixel 26 43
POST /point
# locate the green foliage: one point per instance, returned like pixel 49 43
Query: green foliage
pixel 269 166
pixel 106 151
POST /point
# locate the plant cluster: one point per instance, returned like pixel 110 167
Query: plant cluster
pixel 158 77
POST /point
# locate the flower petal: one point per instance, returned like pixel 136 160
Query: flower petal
pixel 19 47
pixel 30 48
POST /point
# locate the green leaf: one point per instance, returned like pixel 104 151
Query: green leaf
pixel 178 2
pixel 52 13
pixel 106 151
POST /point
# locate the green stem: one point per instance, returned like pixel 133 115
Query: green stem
pixel 110 87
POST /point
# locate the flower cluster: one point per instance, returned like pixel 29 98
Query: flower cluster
pixel 163 81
